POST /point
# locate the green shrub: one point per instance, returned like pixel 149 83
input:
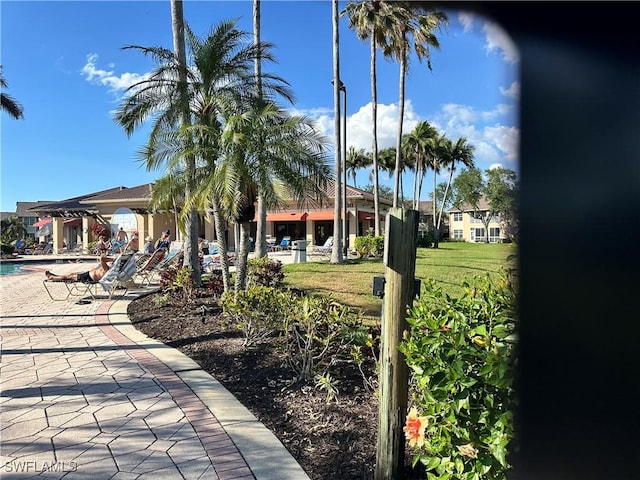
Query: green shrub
pixel 461 352
pixel 264 271
pixel 426 241
pixel 320 331
pixel 369 246
pixel 6 249
pixel 259 311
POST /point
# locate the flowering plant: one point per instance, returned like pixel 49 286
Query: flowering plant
pixel 461 353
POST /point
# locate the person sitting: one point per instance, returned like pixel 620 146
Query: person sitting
pixel 103 246
pixel 134 243
pixel 122 236
pixel 203 246
pixel 20 246
pixel 148 248
pixel 164 241
pixel 91 276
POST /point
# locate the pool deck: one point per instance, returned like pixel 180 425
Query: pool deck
pixel 84 394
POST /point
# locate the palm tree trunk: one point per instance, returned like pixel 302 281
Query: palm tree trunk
pixel 242 254
pixel 222 244
pixel 403 69
pixel 261 229
pixel 191 241
pixel 436 233
pixel 336 253
pixel 374 122
pixel 444 199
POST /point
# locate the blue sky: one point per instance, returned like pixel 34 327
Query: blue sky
pixel 64 63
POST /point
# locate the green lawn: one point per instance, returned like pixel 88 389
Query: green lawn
pixel 351 283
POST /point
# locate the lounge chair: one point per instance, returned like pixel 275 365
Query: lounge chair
pixel 174 249
pixel 41 249
pixel 148 266
pixel 119 276
pixel 285 244
pixel 324 249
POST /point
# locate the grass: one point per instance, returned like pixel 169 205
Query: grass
pixel 350 283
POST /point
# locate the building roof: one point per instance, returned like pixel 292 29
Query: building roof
pixel 23 208
pixel 482 205
pixel 71 207
pixel 123 194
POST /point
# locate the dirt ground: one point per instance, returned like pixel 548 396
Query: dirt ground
pixel 331 440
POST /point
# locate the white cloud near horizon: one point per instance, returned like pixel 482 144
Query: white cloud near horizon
pixel 494 142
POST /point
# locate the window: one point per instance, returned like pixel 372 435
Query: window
pixel 457 217
pixel 477 235
pixel 457 234
pixel 29 221
pixel 494 234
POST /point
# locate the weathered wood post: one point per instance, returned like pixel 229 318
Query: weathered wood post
pixel 400 260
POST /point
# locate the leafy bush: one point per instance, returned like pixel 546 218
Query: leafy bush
pixel 264 271
pixel 6 249
pixel 426 241
pixel 99 230
pixel 259 311
pixel 369 246
pixel 178 280
pixel 319 330
pixel 462 354
pixel 213 283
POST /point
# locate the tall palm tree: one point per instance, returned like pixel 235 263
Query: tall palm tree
pixel 336 252
pixel 420 143
pixel 7 102
pixel 370 19
pixel 412 24
pixel 219 80
pixel 184 119
pixel 267 150
pixel 357 159
pixel 460 152
pixel 261 230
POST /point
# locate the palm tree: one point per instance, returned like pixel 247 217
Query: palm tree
pixel 267 150
pixel 220 80
pixel 191 228
pixel 370 20
pixel 12 229
pixel 411 24
pixel 420 143
pixel 452 154
pixel 357 159
pixel 336 253
pixel 9 105
pixel 261 228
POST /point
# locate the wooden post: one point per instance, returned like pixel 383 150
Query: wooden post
pixel 400 260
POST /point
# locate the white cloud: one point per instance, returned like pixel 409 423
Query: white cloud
pixel 506 139
pixel 359 124
pixel 467 19
pixel 513 91
pixel 496 38
pixel 107 78
pixel 495 143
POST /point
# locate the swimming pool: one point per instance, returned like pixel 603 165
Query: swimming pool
pixel 10 268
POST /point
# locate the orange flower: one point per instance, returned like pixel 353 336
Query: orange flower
pixel 415 427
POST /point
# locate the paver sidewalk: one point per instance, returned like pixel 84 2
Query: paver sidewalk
pixel 85 395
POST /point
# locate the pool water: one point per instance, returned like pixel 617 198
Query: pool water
pixel 10 268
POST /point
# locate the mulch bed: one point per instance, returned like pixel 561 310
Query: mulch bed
pixel 331 441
